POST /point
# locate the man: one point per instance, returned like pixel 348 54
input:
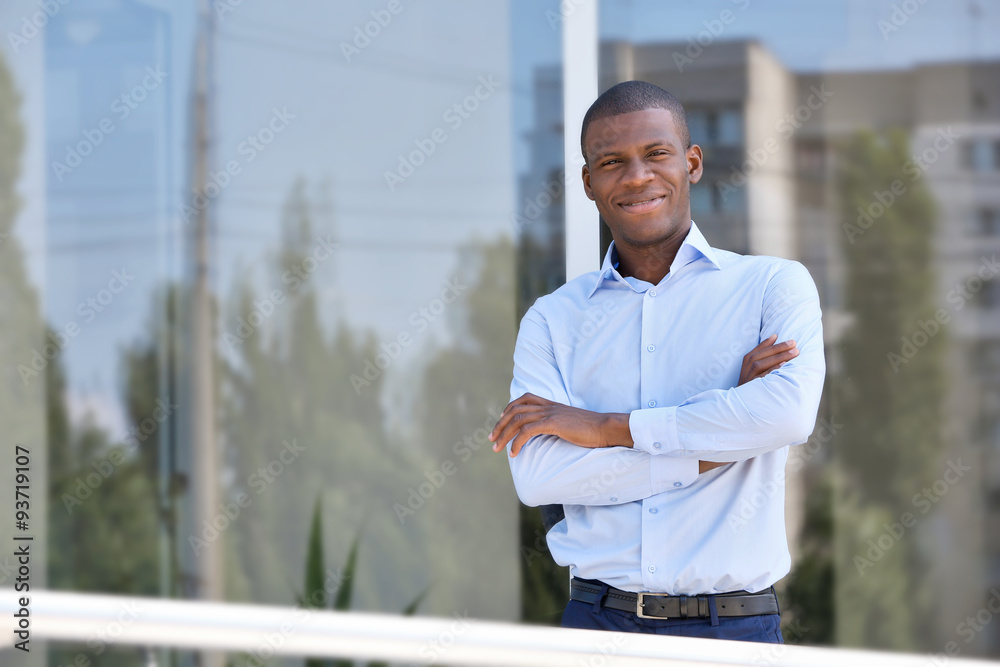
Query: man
pixel 635 408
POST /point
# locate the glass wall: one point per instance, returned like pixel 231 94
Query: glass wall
pixel 263 267
pixel 860 139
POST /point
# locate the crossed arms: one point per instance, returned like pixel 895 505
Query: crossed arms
pixel 561 454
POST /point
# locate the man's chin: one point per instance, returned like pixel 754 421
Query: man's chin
pixel 645 237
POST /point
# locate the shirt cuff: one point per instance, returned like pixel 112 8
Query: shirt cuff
pixel 668 473
pixel 654 430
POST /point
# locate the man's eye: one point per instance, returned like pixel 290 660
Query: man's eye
pixel 607 162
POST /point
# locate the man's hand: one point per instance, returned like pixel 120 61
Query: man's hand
pixel 531 415
pixel 764 358
pixel 758 362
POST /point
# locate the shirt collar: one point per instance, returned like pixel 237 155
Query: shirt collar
pixel 694 246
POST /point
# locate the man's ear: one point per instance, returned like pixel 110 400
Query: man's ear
pixel 586 182
pixel 695 163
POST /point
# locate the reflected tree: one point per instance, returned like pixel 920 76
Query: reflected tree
pixel 890 398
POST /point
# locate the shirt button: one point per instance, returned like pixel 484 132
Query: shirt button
pixel 656 445
pixel 652 568
pixel 614 499
pixel 651 348
pixel 652 510
pixel 652 292
pixel 652 404
pixel 677 483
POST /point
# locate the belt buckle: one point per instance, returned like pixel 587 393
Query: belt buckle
pixel 640 604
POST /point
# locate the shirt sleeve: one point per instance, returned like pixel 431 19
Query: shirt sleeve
pixel 767 413
pixel 549 470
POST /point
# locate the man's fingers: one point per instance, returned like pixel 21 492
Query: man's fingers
pixel 764 366
pixel 513 422
pixel 511 415
pixel 527 432
pixel 771 350
pixel 525 399
pixel 763 344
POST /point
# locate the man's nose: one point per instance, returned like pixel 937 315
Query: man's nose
pixel 637 172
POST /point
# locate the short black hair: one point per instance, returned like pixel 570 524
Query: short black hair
pixel 630 96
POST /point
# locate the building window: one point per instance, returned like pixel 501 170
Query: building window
pixel 989 295
pixel 982 154
pixel 723 127
pixel 701 197
pixel 729 127
pixel 987 221
pixel 697 121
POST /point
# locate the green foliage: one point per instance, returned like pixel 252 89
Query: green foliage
pixel 315 595
pixel 807 610
pixel 891 443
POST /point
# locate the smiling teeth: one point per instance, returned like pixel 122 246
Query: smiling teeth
pixel 636 203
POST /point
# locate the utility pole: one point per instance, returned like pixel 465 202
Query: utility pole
pixel 204 440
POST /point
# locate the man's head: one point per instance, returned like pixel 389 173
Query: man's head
pixel 639 163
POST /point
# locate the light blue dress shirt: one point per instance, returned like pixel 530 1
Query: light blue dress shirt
pixel 641 518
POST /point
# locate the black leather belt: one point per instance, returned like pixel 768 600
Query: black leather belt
pixel 657 605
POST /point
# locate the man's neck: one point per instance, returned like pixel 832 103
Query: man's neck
pixel 650 263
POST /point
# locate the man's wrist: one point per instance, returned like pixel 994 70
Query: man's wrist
pixel 616 430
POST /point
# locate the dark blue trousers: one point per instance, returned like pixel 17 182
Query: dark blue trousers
pixel 765 628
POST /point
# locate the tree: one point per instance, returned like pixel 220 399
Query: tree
pixel 890 399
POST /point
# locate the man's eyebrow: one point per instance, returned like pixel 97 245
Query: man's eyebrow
pixel 659 142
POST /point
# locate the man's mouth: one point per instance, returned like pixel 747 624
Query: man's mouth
pixel 644 205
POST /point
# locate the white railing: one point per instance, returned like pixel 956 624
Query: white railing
pixel 266 631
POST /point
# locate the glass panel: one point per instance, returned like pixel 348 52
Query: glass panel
pixel 811 114
pixel 263 267
pixel 730 131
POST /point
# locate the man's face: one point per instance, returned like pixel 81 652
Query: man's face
pixel 639 174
